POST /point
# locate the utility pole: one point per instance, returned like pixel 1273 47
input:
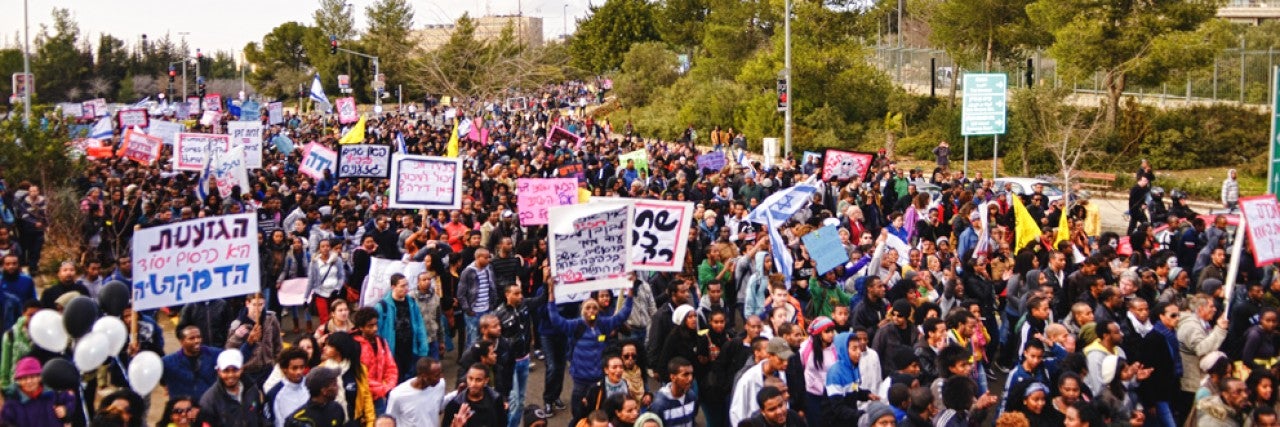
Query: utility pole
pixel 787 75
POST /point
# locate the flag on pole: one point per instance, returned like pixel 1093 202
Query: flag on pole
pixel 782 205
pixel 1025 229
pixel 451 150
pixel 355 135
pixel 400 143
pixel 142 103
pixel 778 248
pixel 317 94
pixel 202 189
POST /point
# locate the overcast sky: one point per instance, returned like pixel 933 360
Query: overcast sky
pixel 229 24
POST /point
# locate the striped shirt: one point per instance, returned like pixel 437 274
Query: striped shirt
pixel 481 304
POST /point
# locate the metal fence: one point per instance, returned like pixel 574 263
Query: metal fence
pixel 1237 75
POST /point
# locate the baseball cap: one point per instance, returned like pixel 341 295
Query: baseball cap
pixel 230 359
pixel 779 347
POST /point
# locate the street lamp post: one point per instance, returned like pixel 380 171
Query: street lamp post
pixel 26 67
pixel 564 32
pixel 787 72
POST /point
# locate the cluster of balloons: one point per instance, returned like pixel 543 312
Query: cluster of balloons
pixel 98 333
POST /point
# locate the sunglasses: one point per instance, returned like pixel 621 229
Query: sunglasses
pixel 181 411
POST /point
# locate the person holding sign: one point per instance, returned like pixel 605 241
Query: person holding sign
pixel 587 335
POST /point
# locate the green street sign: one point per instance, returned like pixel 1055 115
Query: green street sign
pixel 985 104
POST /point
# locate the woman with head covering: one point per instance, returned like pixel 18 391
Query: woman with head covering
pixel 817 354
pixel 28 403
pixel 342 352
pixel 1030 398
pixel 685 342
pixel 878 414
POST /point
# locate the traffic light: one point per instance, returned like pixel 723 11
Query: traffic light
pixel 333 45
pixel 172 73
pixel 200 87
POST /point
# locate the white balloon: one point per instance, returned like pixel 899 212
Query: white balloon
pixel 47 331
pixel 144 372
pixel 91 351
pixel 114 329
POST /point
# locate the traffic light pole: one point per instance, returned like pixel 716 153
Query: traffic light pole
pixel 377 71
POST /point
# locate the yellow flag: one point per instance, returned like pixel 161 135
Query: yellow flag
pixel 1064 228
pixel 1026 230
pixel 355 135
pixel 451 150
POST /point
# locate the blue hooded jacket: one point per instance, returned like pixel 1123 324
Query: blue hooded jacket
pixel 588 341
pixel 844 383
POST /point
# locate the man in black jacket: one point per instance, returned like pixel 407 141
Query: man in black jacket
pixel 773 411
pixel 321 410
pixel 659 328
pixel 478 405
pixel 234 403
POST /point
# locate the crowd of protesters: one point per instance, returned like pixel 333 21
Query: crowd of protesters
pixel 939 317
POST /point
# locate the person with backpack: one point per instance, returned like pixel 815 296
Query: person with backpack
pixel 586 334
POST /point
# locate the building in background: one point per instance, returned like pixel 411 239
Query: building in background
pixel 527 30
pixel 1251 12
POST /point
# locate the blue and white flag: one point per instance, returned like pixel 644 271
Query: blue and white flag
pixel 780 206
pixel 778 249
pixel 202 187
pixel 317 94
pixel 400 143
pixel 102 130
pixel 142 103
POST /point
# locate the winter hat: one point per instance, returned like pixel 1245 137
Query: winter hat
pixel 319 377
pixel 1109 366
pixel 1034 387
pixel 28 366
pixel 903 308
pixel 1174 272
pixel 1210 286
pixel 647 417
pixel 820 324
pixel 681 312
pixel 903 358
pixel 875 411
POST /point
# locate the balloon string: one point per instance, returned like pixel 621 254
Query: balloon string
pixel 123 372
pixel 84 406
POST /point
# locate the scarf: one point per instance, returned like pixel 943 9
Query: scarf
pixel 1142 328
pixel 342 368
pixel 635 381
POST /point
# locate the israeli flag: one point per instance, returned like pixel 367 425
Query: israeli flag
pixel 400 143
pixel 780 206
pixel 101 130
pixel 317 94
pixel 142 103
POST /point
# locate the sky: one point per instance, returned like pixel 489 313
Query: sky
pixel 227 25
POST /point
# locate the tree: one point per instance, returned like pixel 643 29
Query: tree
pixel 1127 41
pixel 681 23
pixel 646 68
pixel 465 66
pixel 981 32
pixel 609 32
pixel 1065 132
pixel 333 19
pixel 390 35
pixel 282 61
pixel 59 63
pixel 112 62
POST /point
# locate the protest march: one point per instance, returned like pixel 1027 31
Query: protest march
pixel 485 262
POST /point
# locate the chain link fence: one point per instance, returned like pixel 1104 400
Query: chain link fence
pixel 1236 75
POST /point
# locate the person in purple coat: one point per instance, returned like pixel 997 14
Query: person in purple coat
pixel 28 404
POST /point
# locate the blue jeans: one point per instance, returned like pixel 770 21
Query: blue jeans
pixel 518 383
pixel 1164 416
pixel 446 333
pixel 554 348
pixel 473 328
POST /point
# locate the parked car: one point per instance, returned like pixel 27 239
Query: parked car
pixel 1026 186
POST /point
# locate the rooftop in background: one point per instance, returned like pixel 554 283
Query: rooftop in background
pixel 1250 11
pixel 527 29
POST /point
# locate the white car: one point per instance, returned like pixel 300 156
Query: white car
pixel 1026 186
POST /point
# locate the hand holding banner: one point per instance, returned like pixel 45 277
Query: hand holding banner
pixel 318 159
pixel 218 259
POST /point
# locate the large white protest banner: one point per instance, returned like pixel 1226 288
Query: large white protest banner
pixel 364 161
pixel 1262 220
pixel 247 135
pixel 275 113
pixel 425 182
pixel 196 260
pixel 659 234
pixel 166 131
pixel 589 247
pixel 378 282
pixel 71 109
pixel 132 118
pixel 99 107
pixel 140 147
pixel 227 170
pixel 319 158
pixel 534 196
pixel 192 150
